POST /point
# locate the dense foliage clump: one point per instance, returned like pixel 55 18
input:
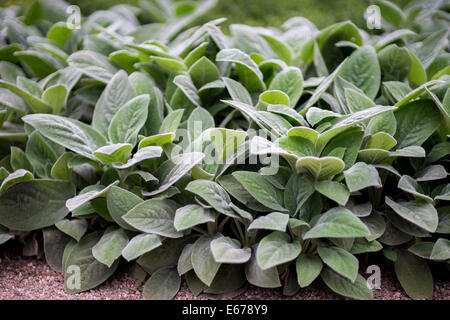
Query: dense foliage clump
pixel 271 156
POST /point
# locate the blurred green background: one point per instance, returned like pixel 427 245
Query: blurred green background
pixel 260 12
pixel 268 12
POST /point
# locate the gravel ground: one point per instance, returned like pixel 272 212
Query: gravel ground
pixel 23 278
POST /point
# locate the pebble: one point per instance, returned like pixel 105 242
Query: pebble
pixel 25 278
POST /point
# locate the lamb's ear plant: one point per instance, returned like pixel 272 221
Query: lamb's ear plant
pixel 267 156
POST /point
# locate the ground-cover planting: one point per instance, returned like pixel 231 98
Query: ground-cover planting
pixel 271 156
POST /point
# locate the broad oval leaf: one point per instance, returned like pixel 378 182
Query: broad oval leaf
pixel 154 216
pixel 162 285
pixel 275 249
pixel 35 204
pixel 227 250
pixel 69 133
pixel 110 246
pixel 418 212
pixel 337 223
pixel 80 258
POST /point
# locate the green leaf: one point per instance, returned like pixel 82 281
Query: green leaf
pixel 416 122
pixel 418 212
pixel 59 33
pixel 237 191
pixel 334 190
pixel 202 259
pixel 141 155
pixel 12 101
pixel 40 154
pixel 15 177
pixel 55 96
pixel 158 139
pixel 109 154
pixel 381 140
pixel 441 250
pixel 341 285
pixel 275 249
pixel 184 83
pixel 283 51
pixel 361 176
pixel 357 101
pixel 227 250
pixel 34 204
pixel 184 261
pixel 272 97
pixel 75 228
pixel 361 245
pixel 166 255
pixel 289 81
pixel 341 261
pixel 169 64
pixel 154 216
pixel 298 190
pixel 93 64
pixel 385 122
pixel 162 285
pixel 391 13
pixel 119 201
pixel 39 62
pixel 417 74
pixel 376 225
pixel 54 246
pixel 320 168
pixel 174 169
pixel 213 194
pixel 430 173
pixel 422 249
pixel 350 140
pixel 92 272
pixel 171 122
pixel 324 85
pixel 128 121
pixel 199 121
pixel 226 142
pixel 299 146
pixel 247 70
pixel 203 71
pixel 414 275
pixel 33 102
pixel 337 223
pixel 192 215
pixel 140 245
pixel 109 248
pixel 431 47
pixel 262 278
pixel 117 92
pixel 83 198
pixel 409 185
pixel 348 122
pixel 6 235
pixel 275 221
pixel 308 268
pixel 395 62
pixel 260 189
pixel 237 91
pixel 60 169
pixel 10 72
pixel 444 220
pixel 363 70
pixel 69 133
pixel 395 90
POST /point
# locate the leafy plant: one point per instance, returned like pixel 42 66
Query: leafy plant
pixel 271 156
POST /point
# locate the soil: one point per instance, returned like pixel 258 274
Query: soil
pixel 30 278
